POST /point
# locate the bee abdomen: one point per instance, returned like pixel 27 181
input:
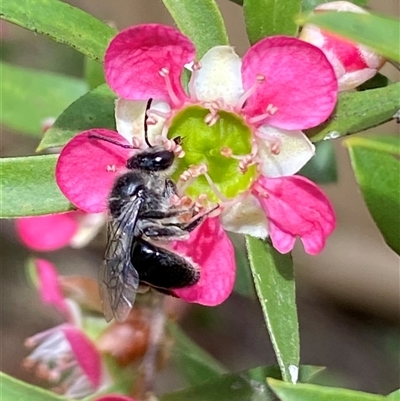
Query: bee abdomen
pixel 161 268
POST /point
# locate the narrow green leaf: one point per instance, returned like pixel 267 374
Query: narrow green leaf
pixel 270 17
pixel 201 21
pixel 93 110
pixel 322 168
pixel 309 5
pixel 395 396
pixel 196 364
pixel 358 111
pixel 378 32
pixel 62 23
pixel 28 187
pixel 28 97
pixel 244 386
pixel 16 390
pixel 244 282
pixel 313 392
pixel 94 73
pixel 388 144
pixel 377 173
pixel 274 281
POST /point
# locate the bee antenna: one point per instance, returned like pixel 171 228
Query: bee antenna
pixel 109 140
pixel 146 138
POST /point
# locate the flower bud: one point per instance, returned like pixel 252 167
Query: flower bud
pixel 127 341
pixel 353 63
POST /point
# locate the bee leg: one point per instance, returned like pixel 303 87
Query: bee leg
pixel 156 214
pixel 170 188
pixel 163 233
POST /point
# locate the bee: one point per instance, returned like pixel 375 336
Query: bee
pixel 140 214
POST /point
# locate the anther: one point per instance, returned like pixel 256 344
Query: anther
pixel 170 145
pixel 111 168
pixel 226 152
pixel 259 191
pixel 211 118
pixel 192 87
pixel 270 110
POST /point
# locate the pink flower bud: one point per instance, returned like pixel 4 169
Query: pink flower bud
pixel 353 63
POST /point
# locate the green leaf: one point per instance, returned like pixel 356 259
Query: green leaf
pixel 93 110
pixel 201 21
pixel 28 97
pixel 395 396
pixel 358 111
pixel 313 392
pixel 270 17
pixel 28 187
pixel 247 385
pixel 244 282
pixel 377 171
pixel 94 73
pixel 274 281
pixel 309 5
pixel 378 32
pixel 322 168
pixel 195 363
pixel 16 390
pixel 62 23
pixel 388 144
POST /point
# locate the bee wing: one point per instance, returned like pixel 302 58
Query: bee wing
pixel 118 278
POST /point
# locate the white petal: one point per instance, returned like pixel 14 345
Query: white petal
pixel 89 226
pixel 219 76
pixel 129 116
pixel 246 217
pixel 351 80
pixel 295 151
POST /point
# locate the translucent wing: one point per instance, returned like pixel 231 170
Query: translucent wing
pixel 118 279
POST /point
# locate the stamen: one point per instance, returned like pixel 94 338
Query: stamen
pixel 269 111
pixel 164 72
pixel 274 142
pixel 240 103
pixel 260 191
pixel 152 113
pixel 245 161
pixel 211 118
pixel 111 168
pixel 170 145
pixel 192 87
pixel 214 188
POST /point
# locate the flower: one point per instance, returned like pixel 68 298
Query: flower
pixel 240 125
pixel 55 231
pixel 64 355
pixel 353 63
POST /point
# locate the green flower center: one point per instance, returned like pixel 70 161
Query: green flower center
pixel 203 144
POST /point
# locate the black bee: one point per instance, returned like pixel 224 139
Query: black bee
pixel 140 211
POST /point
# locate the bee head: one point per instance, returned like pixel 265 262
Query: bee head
pixel 152 159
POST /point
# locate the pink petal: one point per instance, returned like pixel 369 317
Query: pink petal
pixel 114 397
pixel 47 233
pixel 295 206
pixel 299 82
pixel 212 250
pixel 136 56
pixel 49 289
pixel 86 169
pixel 85 353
